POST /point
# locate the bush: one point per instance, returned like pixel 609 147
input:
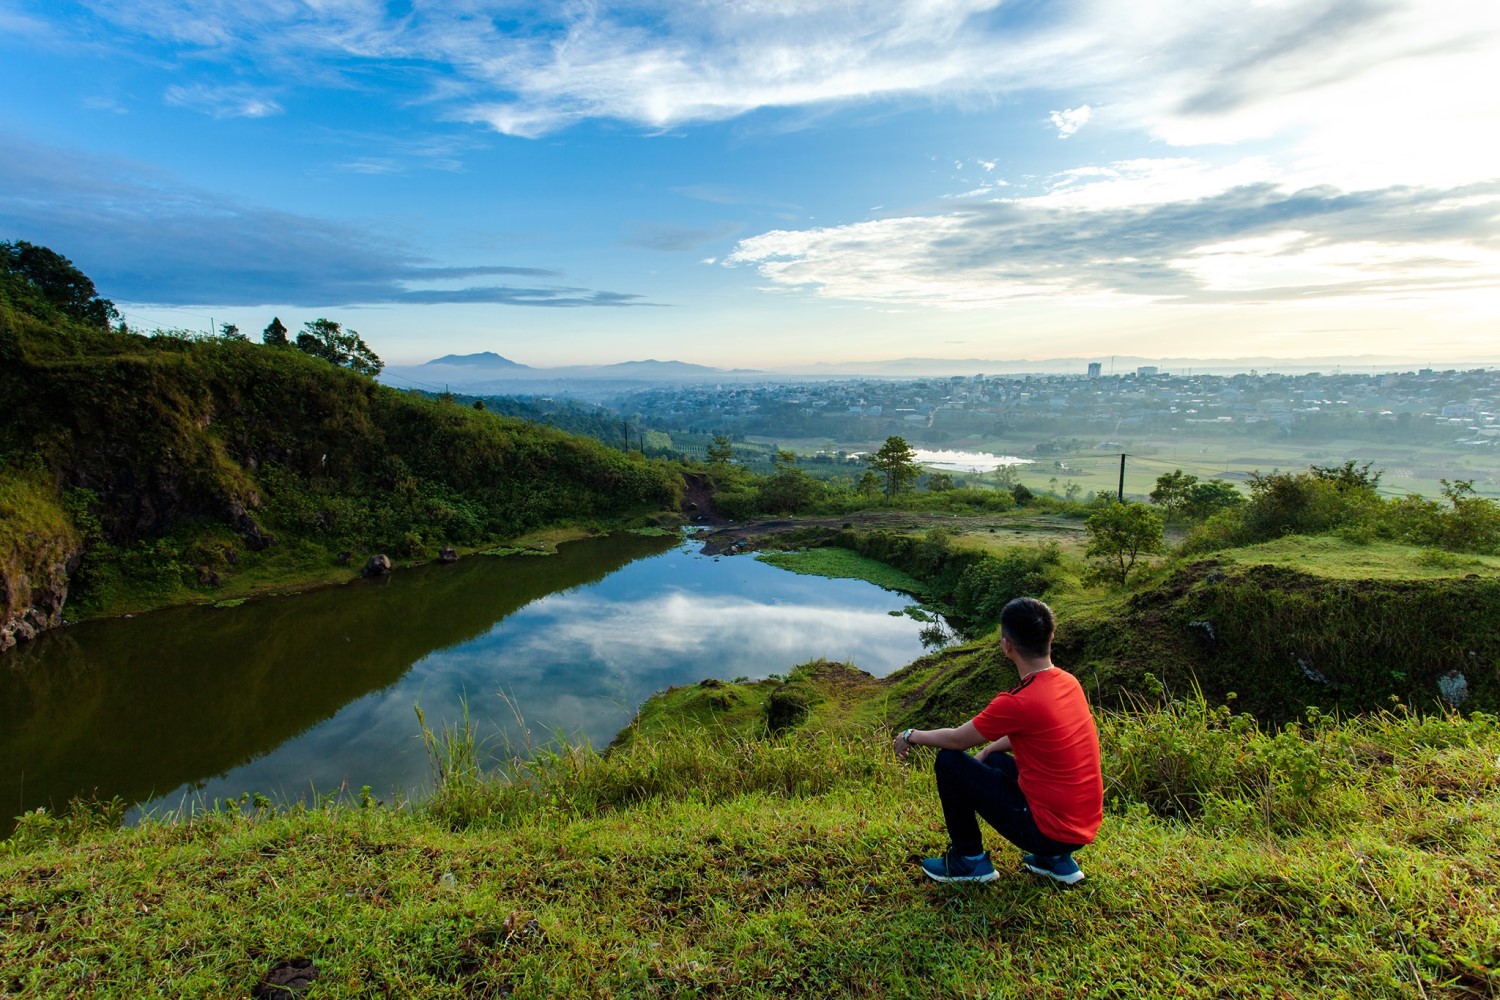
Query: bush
pixel 1189 760
pixel 987 585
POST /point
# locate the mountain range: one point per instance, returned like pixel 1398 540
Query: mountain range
pixel 488 372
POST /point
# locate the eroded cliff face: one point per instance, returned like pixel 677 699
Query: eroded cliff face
pixel 34 587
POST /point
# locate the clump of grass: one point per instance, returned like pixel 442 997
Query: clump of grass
pixel 839 564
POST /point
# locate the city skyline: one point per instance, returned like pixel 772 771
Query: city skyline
pixel 775 185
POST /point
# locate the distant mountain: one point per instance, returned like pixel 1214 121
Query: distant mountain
pixel 651 367
pixel 484 359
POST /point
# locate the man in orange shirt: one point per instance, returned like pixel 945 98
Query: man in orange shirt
pixel 1038 782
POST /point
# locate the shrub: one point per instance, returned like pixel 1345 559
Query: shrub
pixel 990 583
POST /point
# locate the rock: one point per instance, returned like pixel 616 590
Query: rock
pixel 248 528
pixel 448 554
pixel 7 640
pixel 378 565
pixel 35 619
pixel 22 631
pixel 1454 688
pixel 344 557
pixel 207 577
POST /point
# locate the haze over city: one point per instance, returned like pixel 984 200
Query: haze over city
pixel 773 186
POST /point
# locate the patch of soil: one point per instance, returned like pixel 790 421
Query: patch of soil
pixel 287 980
pixel 698 501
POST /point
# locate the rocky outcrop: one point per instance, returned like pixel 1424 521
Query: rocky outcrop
pixel 378 565
pixel 32 598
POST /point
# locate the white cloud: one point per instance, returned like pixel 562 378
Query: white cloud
pixel 1171 230
pixel 223 102
pixel 1369 92
pixel 1070 120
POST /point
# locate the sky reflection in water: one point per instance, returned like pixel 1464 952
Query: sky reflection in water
pixel 576 664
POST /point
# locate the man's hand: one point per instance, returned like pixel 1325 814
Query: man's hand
pixel 901 744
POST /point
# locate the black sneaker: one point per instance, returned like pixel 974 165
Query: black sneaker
pixel 1059 867
pixel 954 867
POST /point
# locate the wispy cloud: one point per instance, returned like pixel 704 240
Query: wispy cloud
pixel 677 239
pixel 223 102
pixel 145 238
pixel 1251 242
pixel 1338 75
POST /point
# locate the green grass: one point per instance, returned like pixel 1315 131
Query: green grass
pixel 1336 558
pixel 840 564
pixel 700 861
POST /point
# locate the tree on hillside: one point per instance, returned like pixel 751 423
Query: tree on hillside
pixel 1206 499
pixel 721 450
pixel 52 276
pixel 231 332
pixel 1349 476
pixel 788 489
pixel 1172 491
pixel 896 461
pixel 323 338
pixel 1119 533
pixel 274 335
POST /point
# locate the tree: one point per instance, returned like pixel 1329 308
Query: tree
pixel 231 332
pixel 1119 533
pixel 788 489
pixel 721 450
pixel 1172 491
pixel 939 482
pixel 896 461
pixel 1349 476
pixel 1208 498
pixel 52 276
pixel 274 335
pixel 323 338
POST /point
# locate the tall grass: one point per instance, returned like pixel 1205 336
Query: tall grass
pixel 697 861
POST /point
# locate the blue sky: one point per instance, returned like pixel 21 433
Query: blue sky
pixel 773 183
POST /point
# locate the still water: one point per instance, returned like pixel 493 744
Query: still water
pixel 299 695
pixel 965 461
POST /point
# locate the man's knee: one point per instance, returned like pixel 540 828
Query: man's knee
pixel 949 761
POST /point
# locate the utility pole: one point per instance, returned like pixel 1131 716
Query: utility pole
pixel 1122 478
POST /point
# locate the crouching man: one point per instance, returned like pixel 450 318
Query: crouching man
pixel 1038 782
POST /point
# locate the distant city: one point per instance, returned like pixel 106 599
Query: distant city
pixel 1458 407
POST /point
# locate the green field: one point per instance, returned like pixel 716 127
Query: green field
pixel 1408 468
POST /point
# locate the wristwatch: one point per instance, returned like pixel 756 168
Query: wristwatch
pixel 906 737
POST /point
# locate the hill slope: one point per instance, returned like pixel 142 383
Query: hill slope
pixel 1351 859
pixel 141 471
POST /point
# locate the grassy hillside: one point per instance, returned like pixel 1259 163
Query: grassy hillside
pixel 1334 859
pixel 165 469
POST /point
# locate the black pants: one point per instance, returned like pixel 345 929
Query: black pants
pixel 970 786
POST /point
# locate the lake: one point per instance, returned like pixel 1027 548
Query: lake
pixel 965 461
pixel 299 695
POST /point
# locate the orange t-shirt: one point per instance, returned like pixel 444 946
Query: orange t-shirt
pixel 1056 747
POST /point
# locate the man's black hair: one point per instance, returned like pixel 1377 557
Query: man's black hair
pixel 1028 623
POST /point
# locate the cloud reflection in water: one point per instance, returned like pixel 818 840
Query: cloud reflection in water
pixel 577 664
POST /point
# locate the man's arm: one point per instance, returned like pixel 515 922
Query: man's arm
pixel 1001 745
pixel 960 738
